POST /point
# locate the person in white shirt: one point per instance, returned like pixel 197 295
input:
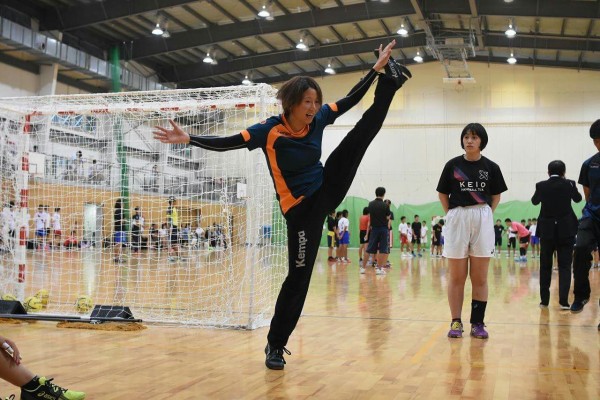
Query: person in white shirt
pixel 534 239
pixel 404 242
pixel 39 221
pixel 512 241
pixel 344 236
pixel 198 237
pixel 56 229
pixel 95 174
pixel 424 234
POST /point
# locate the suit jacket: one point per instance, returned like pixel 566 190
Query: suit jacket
pixel 557 219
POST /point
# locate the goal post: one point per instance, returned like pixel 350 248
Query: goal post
pixel 101 210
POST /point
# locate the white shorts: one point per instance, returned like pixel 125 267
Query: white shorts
pixel 469 232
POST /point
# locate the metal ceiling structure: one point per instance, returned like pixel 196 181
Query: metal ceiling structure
pixel 342 33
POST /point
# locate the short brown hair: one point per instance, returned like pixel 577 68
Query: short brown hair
pixel 291 92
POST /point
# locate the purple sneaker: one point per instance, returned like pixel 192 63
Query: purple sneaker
pixel 456 330
pixel 478 331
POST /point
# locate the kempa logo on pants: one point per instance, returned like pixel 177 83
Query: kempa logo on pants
pixel 301 261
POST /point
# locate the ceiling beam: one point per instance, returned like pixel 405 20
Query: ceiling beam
pixel 360 30
pixel 530 8
pixel 281 7
pixel 197 15
pixel 194 72
pixel 282 77
pixel 223 11
pixel 97 12
pixel 477 22
pixel 542 42
pixel 148 47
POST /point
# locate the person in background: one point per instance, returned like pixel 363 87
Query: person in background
pixel 588 232
pixel 534 238
pixel 120 235
pixel 522 235
pixel 137 227
pixel 498 231
pixel 344 235
pixel 363 224
pixel 331 234
pixel 557 229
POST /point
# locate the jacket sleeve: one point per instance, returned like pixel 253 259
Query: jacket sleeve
pixel 218 143
pixel 575 195
pixel 536 196
pixel 356 93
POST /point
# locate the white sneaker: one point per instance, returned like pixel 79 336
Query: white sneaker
pixel 362 270
pixel 379 271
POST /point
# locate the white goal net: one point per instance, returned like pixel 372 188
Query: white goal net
pixel 95 209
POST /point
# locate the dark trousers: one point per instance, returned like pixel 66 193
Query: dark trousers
pixel 305 220
pixel 588 236
pixel 564 255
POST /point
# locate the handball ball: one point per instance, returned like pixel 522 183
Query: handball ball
pixel 32 303
pixel 84 303
pixel 43 295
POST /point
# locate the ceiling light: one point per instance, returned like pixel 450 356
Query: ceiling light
pixel 208 59
pixel 264 13
pixel 301 45
pixel 418 58
pixel 166 34
pixel 508 1
pixel 402 31
pixel 157 30
pixel 329 70
pixel 511 60
pixel 246 81
pixel 510 32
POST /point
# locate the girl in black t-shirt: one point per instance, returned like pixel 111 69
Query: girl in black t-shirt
pixel 469 190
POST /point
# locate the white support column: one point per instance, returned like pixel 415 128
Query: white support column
pixel 48 74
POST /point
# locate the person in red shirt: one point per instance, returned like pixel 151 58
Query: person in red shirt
pixel 522 235
pixel 363 223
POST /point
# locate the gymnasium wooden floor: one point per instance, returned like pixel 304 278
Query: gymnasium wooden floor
pixel 361 337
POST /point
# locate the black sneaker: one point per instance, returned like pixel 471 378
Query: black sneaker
pixel 577 305
pixel 565 306
pixel 275 357
pixel 399 73
pixel 47 390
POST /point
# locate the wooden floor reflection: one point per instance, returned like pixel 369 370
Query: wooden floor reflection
pixel 360 337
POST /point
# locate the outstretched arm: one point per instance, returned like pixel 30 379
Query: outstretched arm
pixel 361 88
pixel 214 143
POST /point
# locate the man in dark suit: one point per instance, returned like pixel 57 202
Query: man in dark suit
pixel 557 227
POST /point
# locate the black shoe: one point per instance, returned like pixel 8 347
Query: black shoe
pixel 543 305
pixel 577 305
pixel 399 73
pixel 45 389
pixel 565 306
pixel 275 357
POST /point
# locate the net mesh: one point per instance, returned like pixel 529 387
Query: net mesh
pixel 206 245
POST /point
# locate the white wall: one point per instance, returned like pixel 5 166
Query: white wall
pixel 15 82
pixel 532 116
